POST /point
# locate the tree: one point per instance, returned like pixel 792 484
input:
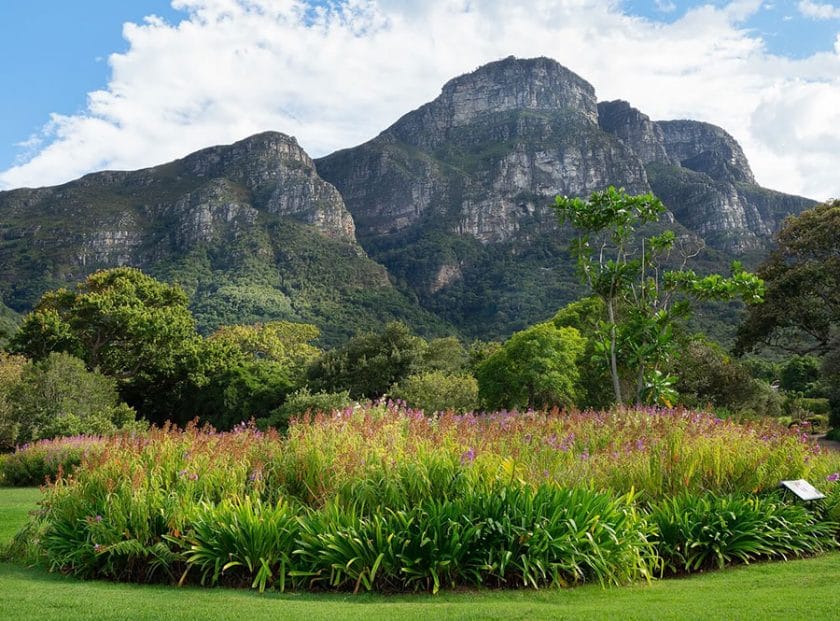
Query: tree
pixel 801 310
pixel 801 313
pixel 641 297
pixel 369 364
pixel 58 396
pixel 438 391
pixel 123 323
pixel 536 367
pixel 282 342
pixel 11 369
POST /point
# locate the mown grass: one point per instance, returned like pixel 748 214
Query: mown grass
pixel 805 589
pixel 15 505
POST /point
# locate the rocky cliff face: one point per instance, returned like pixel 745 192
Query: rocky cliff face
pixel 464 185
pixel 222 221
pixel 488 155
pixel 701 173
pixel 453 202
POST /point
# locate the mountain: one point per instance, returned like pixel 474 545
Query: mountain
pixel 455 197
pixel 250 230
pixel 444 220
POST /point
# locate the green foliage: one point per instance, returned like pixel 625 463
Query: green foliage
pixel 122 323
pixel 585 316
pixel 369 364
pixel 507 535
pixel 701 532
pixel 445 354
pixel 303 401
pixel 11 369
pixel 708 376
pixel 437 391
pixel 800 373
pixel 241 392
pixel 282 342
pixel 802 304
pixel 636 339
pixel 242 542
pixel 536 367
pixel 58 396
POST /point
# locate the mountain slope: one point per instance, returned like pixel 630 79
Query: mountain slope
pixel 444 220
pixel 455 198
pixel 250 230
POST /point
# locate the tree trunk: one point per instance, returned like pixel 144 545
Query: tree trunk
pixel 613 361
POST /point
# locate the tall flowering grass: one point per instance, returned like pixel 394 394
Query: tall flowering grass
pixel 46 460
pixel 250 507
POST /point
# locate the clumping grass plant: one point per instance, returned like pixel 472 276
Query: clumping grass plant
pixel 384 498
pixel 46 460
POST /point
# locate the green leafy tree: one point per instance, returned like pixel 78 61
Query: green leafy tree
pixel 710 376
pixel 123 323
pixel 445 354
pixel 438 391
pixel 58 396
pixel 801 313
pixel 585 316
pixel 369 364
pixel 285 343
pixel 801 310
pixel 536 367
pixel 642 298
pixel 800 374
pixel 11 369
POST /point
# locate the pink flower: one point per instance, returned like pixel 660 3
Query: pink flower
pixel 835 476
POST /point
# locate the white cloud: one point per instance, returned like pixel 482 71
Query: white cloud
pixel 665 6
pixel 818 10
pixel 336 77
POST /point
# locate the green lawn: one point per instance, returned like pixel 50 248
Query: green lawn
pixel 805 589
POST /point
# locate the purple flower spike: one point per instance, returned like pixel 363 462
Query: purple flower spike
pixel 468 456
pixel 835 476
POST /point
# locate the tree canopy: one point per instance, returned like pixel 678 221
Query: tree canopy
pixel 801 310
pixel 641 297
pixel 536 367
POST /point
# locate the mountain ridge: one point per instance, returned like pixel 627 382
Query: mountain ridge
pixel 443 220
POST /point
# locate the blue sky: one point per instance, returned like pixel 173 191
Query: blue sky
pixel 785 30
pixel 82 93
pixel 52 53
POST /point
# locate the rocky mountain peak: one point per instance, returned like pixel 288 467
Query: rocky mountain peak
pixel 539 84
pixel 706 148
pixel 270 150
pixel 634 129
pixel 511 85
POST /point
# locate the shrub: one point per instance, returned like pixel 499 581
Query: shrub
pixel 60 397
pixel 699 532
pixel 536 367
pixel 303 401
pixel 386 498
pixel 436 391
pixel 242 541
pixel 506 535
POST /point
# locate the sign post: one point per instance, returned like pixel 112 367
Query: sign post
pixel 803 489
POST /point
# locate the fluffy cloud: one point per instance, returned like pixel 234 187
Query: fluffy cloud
pixel 818 10
pixel 335 77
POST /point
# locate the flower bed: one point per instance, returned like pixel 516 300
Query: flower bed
pixel 385 498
